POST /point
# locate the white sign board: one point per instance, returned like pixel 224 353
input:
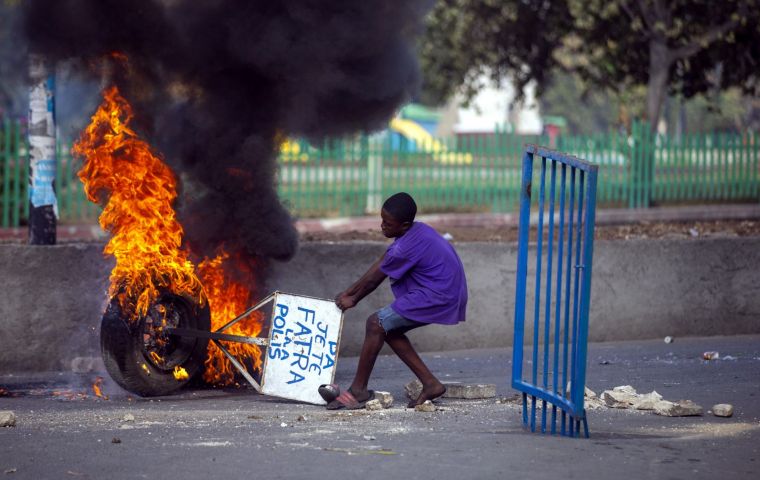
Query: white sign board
pixel 303 347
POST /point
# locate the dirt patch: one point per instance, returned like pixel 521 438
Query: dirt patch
pixel 721 228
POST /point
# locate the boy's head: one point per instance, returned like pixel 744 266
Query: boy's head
pixel 398 214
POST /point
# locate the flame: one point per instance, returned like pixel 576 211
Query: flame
pixel 180 373
pixel 227 299
pixel 96 388
pixel 138 191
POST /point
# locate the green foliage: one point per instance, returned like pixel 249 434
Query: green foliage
pixel 505 39
pixel 681 47
pixel 617 37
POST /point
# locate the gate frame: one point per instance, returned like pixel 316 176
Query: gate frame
pixel 572 406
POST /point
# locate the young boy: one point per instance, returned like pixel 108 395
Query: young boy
pixel 429 286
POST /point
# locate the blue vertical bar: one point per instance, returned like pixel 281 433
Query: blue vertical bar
pixel 558 299
pixel 537 303
pixel 579 380
pixel 522 274
pixel 576 288
pixel 547 312
pixel 566 326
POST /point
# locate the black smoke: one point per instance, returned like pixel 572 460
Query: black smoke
pixel 215 83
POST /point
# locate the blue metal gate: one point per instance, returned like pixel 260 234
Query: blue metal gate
pixel 561 295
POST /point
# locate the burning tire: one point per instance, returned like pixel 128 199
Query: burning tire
pixel 142 358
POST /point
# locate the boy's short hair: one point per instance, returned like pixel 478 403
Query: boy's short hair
pixel 401 206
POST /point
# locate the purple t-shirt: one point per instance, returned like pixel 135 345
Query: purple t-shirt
pixel 427 277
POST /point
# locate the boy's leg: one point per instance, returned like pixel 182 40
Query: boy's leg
pixel 374 337
pixel 431 387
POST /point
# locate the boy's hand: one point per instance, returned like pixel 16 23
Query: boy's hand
pixel 345 301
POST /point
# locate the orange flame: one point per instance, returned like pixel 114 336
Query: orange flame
pixel 138 191
pixel 227 299
pixel 97 389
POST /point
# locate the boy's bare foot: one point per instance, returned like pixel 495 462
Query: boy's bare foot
pixel 429 392
pixel 361 395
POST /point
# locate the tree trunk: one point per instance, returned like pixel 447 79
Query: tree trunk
pixel 643 164
pixel 659 70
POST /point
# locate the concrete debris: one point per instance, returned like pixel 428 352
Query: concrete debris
pixel 425 407
pixel 711 356
pixel 11 470
pixel 591 401
pixel 7 418
pixel 301 418
pixel 128 418
pixel 413 389
pixel 693 232
pixel 626 397
pixel 469 391
pixel 647 401
pixel 373 404
pixel 385 399
pixel 681 408
pixel 668 339
pixel 723 410
pixel 620 397
pixel 369 438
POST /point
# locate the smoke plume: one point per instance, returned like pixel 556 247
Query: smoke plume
pixel 217 84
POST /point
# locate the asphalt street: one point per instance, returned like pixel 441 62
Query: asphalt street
pixel 64 431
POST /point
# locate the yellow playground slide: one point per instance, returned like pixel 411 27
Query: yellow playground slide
pixel 426 143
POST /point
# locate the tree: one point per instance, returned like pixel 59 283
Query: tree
pixel 12 59
pixel 683 47
pixel 505 39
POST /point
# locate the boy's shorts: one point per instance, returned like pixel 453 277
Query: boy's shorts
pixel 391 321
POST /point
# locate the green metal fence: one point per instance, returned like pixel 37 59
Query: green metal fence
pixel 467 173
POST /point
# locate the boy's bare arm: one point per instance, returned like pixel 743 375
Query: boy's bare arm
pixel 362 287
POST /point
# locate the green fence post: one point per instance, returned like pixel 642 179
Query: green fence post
pixel 6 168
pixel 19 199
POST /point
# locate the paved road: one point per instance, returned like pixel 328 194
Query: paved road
pixel 240 434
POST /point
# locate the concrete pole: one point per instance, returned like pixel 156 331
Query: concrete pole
pixel 43 208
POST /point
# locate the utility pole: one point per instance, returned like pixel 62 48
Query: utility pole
pixel 43 208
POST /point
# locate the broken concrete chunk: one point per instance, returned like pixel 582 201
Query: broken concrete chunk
pixel 385 398
pixel 469 391
pixel 128 417
pixel 7 418
pixel 723 410
pixel 427 406
pixel 413 389
pixel 620 397
pixel 647 401
pixel 373 404
pixel 681 408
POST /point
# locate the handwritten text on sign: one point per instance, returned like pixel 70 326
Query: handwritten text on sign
pixel 303 347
